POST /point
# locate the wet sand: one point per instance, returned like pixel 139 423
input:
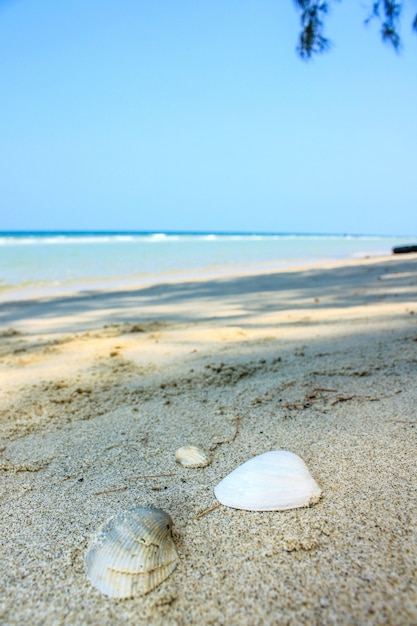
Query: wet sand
pixel 99 388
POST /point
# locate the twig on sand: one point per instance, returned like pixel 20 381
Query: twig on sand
pixel 342 399
pixel 236 429
pixel 231 440
pixel 209 510
pixel 99 493
pixel 146 476
pixel 316 394
pixel 347 398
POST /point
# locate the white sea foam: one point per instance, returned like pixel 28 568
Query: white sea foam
pixel 103 238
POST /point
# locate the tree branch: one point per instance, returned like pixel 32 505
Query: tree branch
pixel 312 21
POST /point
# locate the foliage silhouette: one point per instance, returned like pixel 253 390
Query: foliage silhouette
pixel 312 19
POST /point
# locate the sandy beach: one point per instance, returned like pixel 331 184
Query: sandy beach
pixel 99 389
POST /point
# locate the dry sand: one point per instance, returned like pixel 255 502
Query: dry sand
pixel 100 387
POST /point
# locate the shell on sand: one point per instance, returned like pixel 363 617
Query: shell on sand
pixel 133 553
pixel 190 456
pixel 273 481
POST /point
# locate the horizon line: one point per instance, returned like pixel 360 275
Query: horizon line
pixel 194 232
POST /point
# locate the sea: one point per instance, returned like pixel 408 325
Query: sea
pixel 34 264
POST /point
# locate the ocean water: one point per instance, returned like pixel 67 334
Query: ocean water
pixel 36 263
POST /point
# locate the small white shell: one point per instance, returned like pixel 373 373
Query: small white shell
pixel 273 481
pixel 132 554
pixel 190 456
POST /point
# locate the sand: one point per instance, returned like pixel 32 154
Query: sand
pixel 99 388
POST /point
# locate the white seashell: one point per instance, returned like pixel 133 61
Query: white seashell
pixel 273 481
pixel 190 456
pixel 133 553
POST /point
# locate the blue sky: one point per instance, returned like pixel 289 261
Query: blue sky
pixel 198 115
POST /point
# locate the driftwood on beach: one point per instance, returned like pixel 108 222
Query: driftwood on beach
pixel 404 249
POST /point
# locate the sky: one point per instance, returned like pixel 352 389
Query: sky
pixel 198 115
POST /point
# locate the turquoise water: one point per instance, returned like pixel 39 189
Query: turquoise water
pixel 82 260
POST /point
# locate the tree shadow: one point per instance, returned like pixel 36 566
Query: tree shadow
pixel 225 300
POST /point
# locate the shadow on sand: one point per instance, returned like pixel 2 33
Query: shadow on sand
pixel 227 300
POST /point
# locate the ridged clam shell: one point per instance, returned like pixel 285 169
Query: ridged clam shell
pixel 273 481
pixel 190 456
pixel 133 553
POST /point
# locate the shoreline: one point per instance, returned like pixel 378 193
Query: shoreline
pixel 100 387
pixel 69 264
pixel 14 293
pixel 32 294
